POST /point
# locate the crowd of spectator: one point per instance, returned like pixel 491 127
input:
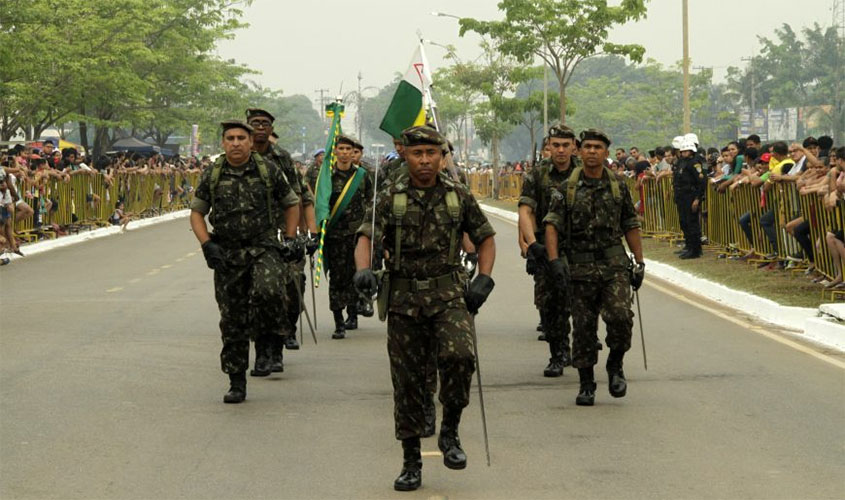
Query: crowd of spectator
pixel 27 170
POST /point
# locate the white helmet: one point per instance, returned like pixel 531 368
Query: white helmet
pixel 677 142
pixel 692 137
pixel 688 145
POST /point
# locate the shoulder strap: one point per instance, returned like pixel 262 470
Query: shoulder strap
pixel 614 184
pixel 216 170
pixel 453 206
pixel 399 209
pixel 571 184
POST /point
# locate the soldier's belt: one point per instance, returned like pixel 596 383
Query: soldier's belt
pixel 415 285
pixel 587 257
pixel 237 243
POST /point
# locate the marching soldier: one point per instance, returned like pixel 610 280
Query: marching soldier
pixel 269 347
pixel 352 193
pixel 587 219
pixel 538 185
pixel 423 294
pixel 244 197
pixel 314 169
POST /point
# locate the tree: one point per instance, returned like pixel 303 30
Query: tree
pixel 535 29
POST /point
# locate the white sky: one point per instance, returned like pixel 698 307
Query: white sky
pixel 294 47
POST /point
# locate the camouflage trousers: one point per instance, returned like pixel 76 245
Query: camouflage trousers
pixel 554 312
pixel 273 341
pixel 611 297
pixel 250 298
pixel 410 341
pixel 339 258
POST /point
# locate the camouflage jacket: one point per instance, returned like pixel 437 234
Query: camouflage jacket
pixel 238 211
pixel 595 222
pixel 425 241
pixel 351 218
pixel 537 186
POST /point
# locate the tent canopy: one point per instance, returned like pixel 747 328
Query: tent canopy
pixel 134 145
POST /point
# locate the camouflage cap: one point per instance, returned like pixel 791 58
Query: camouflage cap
pixel 561 132
pixel 416 136
pixel 229 124
pixel 253 112
pixel 594 134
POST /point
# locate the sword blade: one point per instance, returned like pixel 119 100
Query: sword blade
pixel 642 335
pixel 480 390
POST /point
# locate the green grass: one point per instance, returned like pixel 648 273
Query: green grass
pixel 784 287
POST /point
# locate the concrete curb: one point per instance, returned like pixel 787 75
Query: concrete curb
pixel 47 245
pixel 802 320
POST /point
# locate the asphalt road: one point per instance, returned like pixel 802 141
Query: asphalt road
pixel 110 388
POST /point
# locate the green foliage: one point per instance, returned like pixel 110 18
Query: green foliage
pixel 562 33
pixel 117 66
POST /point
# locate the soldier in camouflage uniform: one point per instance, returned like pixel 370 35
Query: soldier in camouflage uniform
pixel 421 222
pixel 587 220
pixel 314 170
pixel 244 196
pixel 537 186
pixel 339 243
pixel 269 346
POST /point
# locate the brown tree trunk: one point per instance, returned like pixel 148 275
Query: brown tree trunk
pixel 562 101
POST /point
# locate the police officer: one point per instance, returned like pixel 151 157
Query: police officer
pixel 243 196
pixel 587 220
pixel 689 184
pixel 534 201
pixel 269 347
pixel 421 220
pixel 349 202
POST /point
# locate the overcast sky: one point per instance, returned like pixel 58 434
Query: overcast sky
pixel 300 46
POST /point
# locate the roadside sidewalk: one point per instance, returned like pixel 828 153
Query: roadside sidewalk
pixel 815 324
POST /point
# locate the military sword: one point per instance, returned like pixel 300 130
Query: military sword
pixel 302 309
pixel 642 335
pixel 480 391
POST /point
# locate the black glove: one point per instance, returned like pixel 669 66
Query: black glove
pixel 530 266
pixel 365 281
pixel 537 252
pixel 478 291
pixel 292 249
pixel 637 275
pixel 312 243
pixel 560 270
pixel 213 254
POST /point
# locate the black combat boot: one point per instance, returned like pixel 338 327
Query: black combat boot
pixel 352 322
pixel 237 388
pixel 277 364
pixel 291 342
pixel 555 367
pixel 411 476
pixel 430 413
pixel 262 359
pixel 449 442
pixel 587 392
pixel 339 328
pixel 616 382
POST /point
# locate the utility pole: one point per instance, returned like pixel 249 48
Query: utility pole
pixel 359 117
pixel 322 109
pixel 687 125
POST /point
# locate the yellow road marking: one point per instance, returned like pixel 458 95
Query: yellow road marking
pixel 133 281
pixel 180 259
pixel 190 254
pixel 744 324
pixel 431 454
pixel 166 266
pixel 115 289
pixel 153 272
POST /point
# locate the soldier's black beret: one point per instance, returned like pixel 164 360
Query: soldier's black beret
pixel 253 112
pixel 561 132
pixel 594 134
pixel 345 139
pixel 416 136
pixel 229 124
